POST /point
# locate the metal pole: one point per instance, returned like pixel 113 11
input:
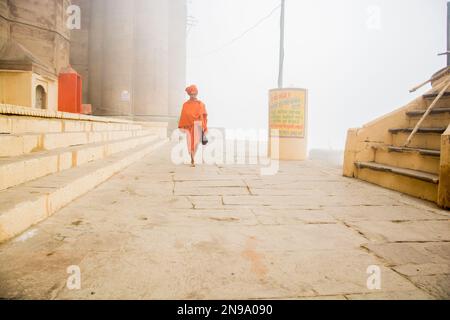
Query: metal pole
pixel 281 65
pixel 448 34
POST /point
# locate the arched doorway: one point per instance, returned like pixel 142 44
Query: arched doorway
pixel 41 98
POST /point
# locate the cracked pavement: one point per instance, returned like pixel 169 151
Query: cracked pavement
pixel 160 231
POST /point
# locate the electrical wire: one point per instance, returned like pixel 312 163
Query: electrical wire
pixel 243 34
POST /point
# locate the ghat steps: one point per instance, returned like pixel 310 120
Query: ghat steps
pixel 376 152
pixel 48 159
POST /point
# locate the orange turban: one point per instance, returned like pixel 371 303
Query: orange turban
pixel 192 90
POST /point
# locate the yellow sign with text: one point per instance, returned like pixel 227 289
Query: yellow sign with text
pixel 287 112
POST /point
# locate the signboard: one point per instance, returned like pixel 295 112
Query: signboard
pixel 287 112
pixel 288 121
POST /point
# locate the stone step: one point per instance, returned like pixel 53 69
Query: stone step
pixel 440 130
pixel 419 175
pixel 421 140
pixel 19 120
pixel 26 125
pixel 418 184
pixel 438 118
pixel 18 170
pixel 424 152
pixel 28 204
pixel 432 96
pixel 430 122
pixel 444 102
pixel 436 111
pixel 18 145
pixel 391 156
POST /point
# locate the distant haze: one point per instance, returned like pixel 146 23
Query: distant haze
pixel 357 58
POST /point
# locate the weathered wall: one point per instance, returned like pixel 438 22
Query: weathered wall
pixel 4 24
pixel 15 88
pixel 444 185
pixel 19 89
pixel 39 26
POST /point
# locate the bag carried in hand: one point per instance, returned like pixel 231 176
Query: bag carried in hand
pixel 204 138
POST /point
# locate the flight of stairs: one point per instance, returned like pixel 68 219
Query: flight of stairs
pixel 414 170
pixel 49 159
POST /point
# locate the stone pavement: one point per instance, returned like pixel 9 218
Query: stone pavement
pixel 160 231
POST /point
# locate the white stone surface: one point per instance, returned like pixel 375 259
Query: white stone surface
pixel 160 231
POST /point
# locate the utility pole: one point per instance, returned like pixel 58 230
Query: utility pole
pixel 281 64
pixel 448 36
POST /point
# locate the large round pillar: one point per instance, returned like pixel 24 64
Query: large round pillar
pixel 134 69
pixel 112 57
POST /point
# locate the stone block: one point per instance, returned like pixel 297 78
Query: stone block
pixel 5 125
pixel 32 202
pixel 32 125
pixel 11 146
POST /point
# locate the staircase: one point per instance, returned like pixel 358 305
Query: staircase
pixel 48 159
pixel 376 152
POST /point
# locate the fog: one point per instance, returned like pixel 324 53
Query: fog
pixel 357 58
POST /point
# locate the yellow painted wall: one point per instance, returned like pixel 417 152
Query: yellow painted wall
pixel 362 142
pixel 18 88
pixel 15 88
pixel 444 178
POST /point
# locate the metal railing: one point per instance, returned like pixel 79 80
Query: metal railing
pixel 445 84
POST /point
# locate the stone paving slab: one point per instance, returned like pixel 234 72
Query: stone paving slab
pixel 230 275
pixel 270 216
pixel 437 285
pixel 404 295
pixel 427 269
pixel 405 231
pixel 211 191
pixel 160 231
pixel 394 213
pixel 314 199
pixel 413 253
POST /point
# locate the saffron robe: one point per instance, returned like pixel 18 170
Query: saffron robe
pixel 193 120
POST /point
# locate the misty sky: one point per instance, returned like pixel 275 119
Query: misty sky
pixel 357 64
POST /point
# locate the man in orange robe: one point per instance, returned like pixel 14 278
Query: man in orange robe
pixel 193 121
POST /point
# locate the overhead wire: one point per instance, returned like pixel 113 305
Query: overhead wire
pixel 243 34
